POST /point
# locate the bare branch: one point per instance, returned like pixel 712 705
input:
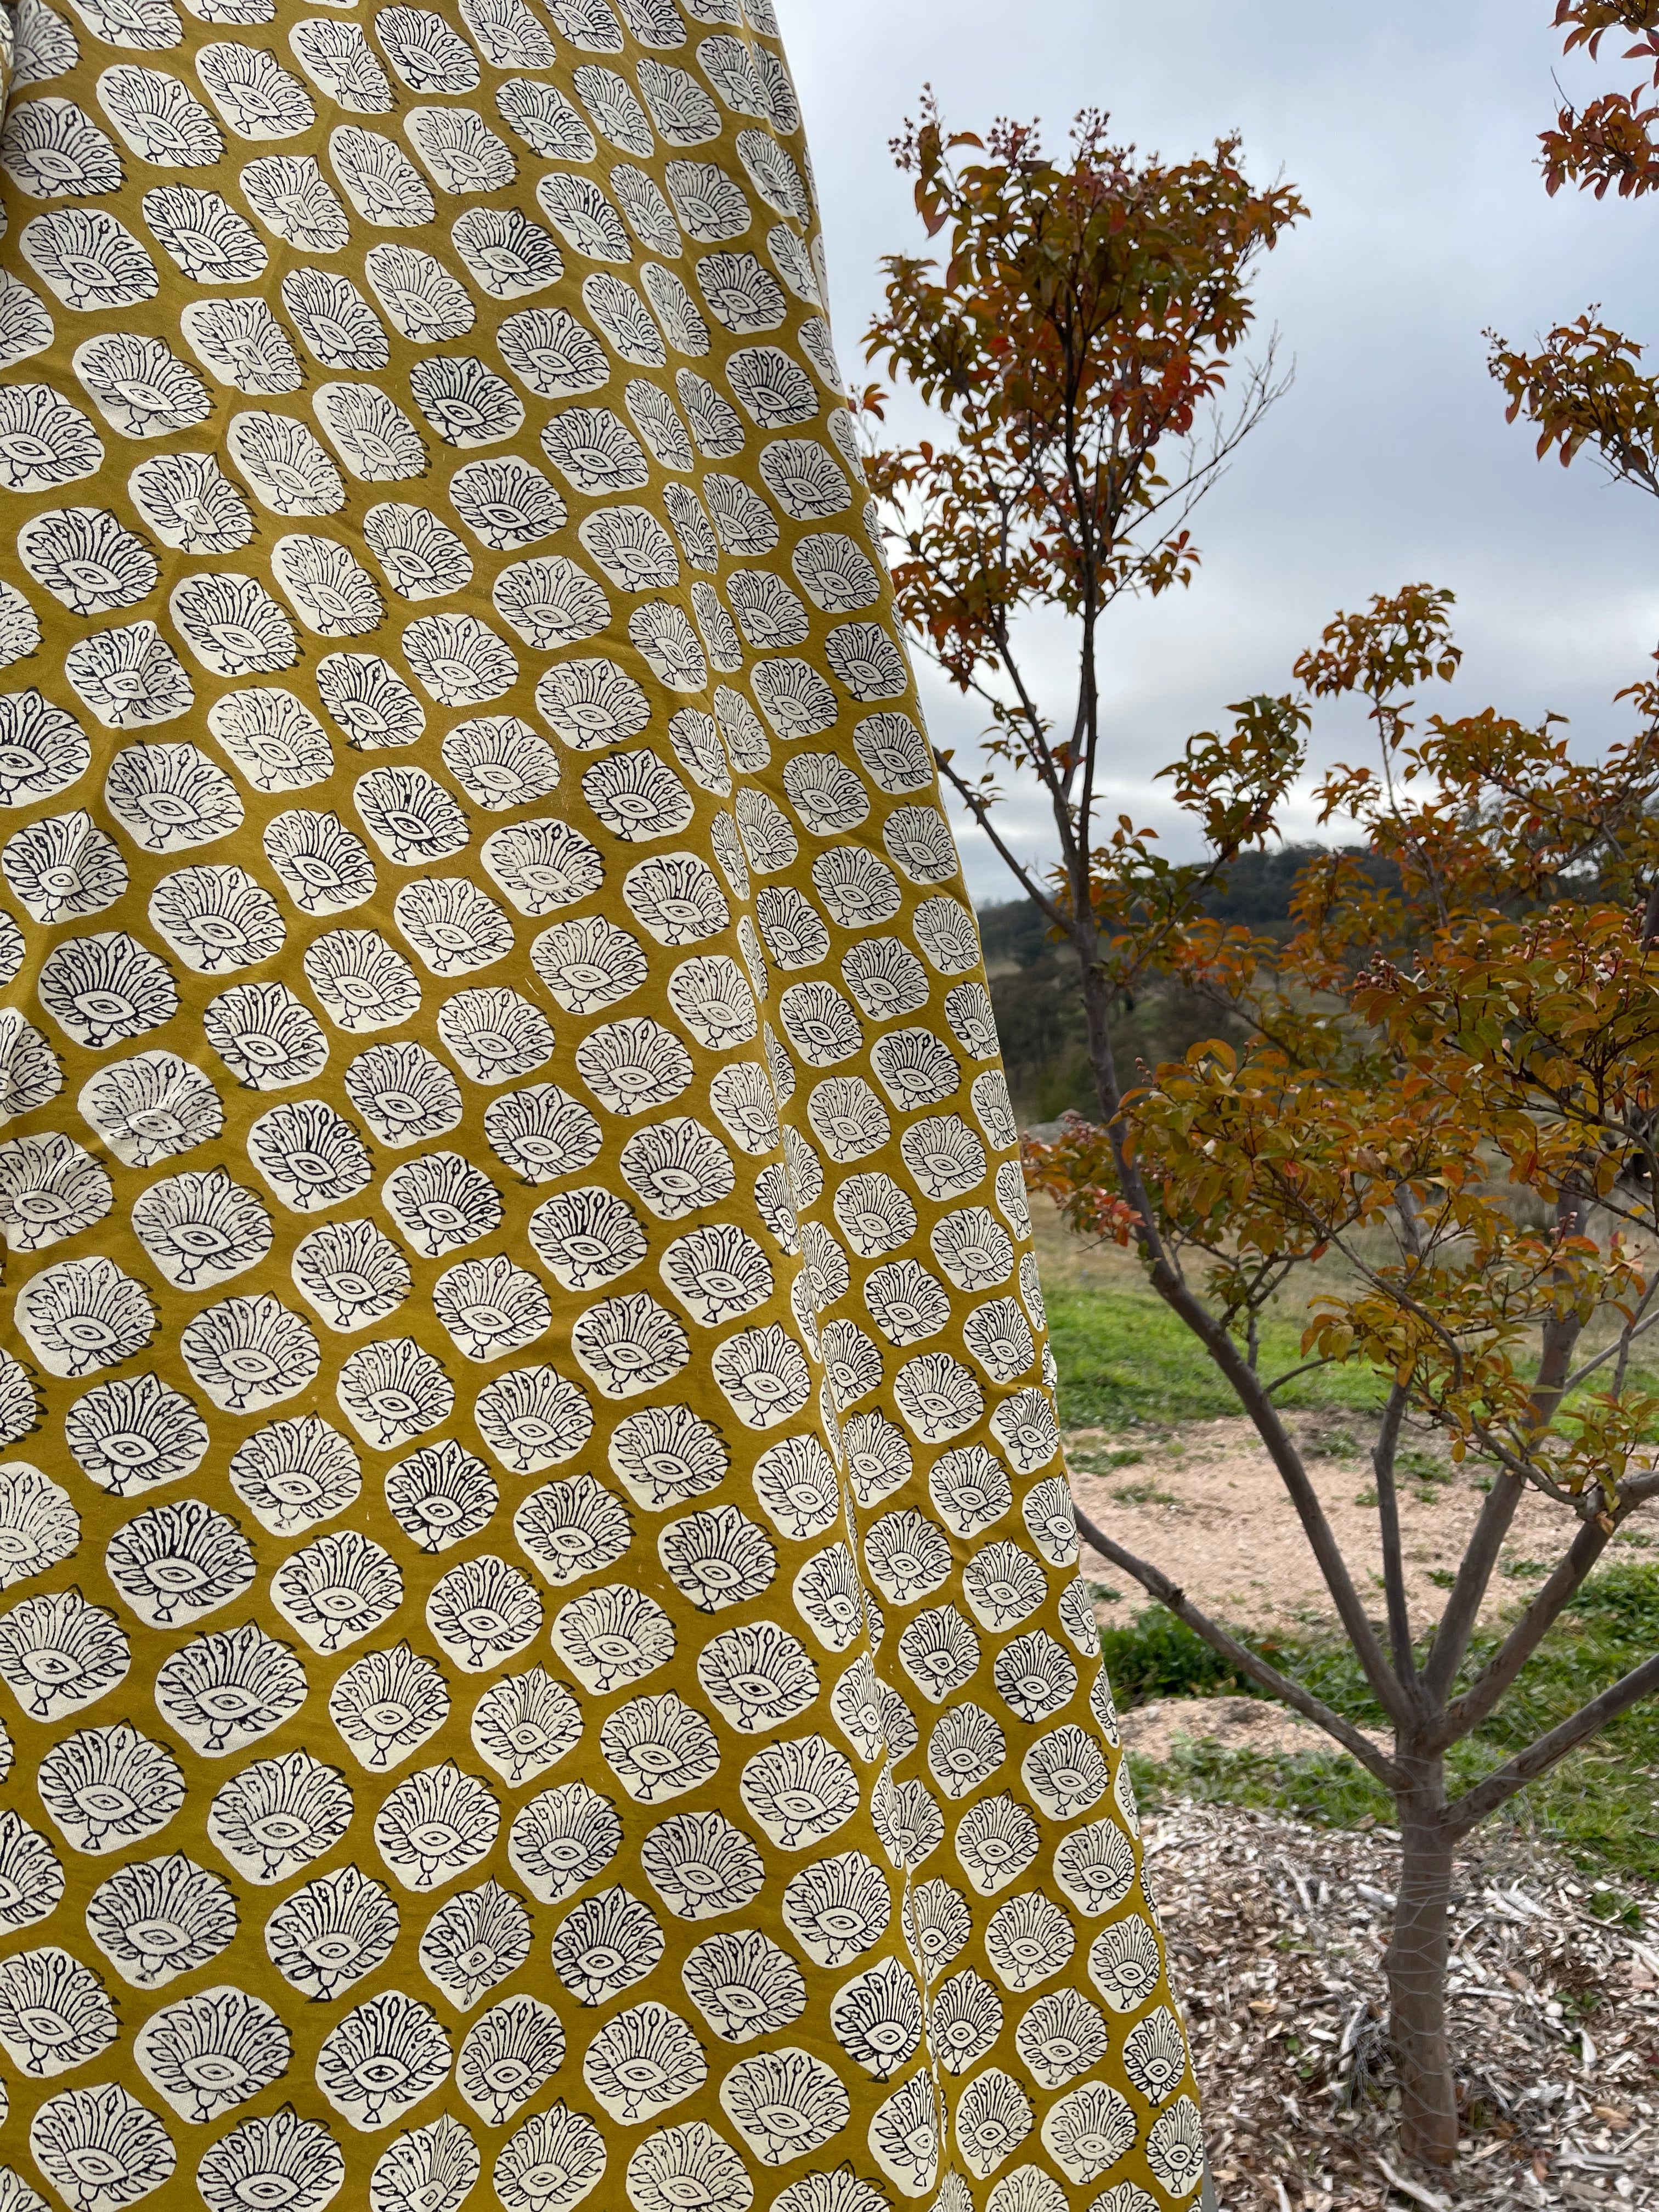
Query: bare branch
pixel 1262 387
pixel 1467 1811
pixel 1619 1349
pixel 1307 1367
pixel 1394 1565
pixel 1480 1560
pixel 1176 1294
pixel 981 812
pixel 1250 1663
pixel 1496 1679
pixel 1474 1572
pixel 1561 1331
pixel 1054 781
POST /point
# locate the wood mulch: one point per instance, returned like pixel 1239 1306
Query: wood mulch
pixel 1277 1934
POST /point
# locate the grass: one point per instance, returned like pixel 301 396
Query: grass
pixel 1144 1493
pixel 1124 1359
pixel 1600 1805
pixel 1159 1656
pixel 1328 1789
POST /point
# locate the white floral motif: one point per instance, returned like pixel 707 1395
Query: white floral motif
pixel 100 2149
pixel 531 872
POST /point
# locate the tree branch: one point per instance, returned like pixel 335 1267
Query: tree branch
pixel 1246 1386
pixel 1307 1367
pixel 1561 1332
pixel 1474 1573
pixel 1480 1560
pixel 1527 1473
pixel 1262 388
pixel 1495 1680
pixel 981 813
pixel 1305 1497
pixel 1336 1236
pixel 1619 1349
pixel 1055 781
pixel 1467 1811
pixel 1394 1565
pixel 1250 1663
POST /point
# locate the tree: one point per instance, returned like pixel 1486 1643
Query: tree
pixel 1079 342
pixel 1440 1136
pixel 1615 140
pixel 1439 1141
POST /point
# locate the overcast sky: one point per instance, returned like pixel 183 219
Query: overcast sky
pixel 1412 133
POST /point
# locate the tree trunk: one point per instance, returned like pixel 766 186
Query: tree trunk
pixel 1417 1968
pixel 1097 1011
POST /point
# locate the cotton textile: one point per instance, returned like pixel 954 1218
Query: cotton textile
pixel 540 1611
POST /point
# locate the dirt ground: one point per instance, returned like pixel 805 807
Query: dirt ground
pixel 1207 1506
pixel 1204 1503
pixel 1234 1724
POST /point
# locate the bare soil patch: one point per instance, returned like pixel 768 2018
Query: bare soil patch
pixel 1152 1731
pixel 1207 1506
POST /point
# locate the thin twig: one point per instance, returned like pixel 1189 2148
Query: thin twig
pixel 1619 1349
pixel 1307 1367
pixel 981 812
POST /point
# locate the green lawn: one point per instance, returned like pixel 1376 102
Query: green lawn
pixel 1124 1359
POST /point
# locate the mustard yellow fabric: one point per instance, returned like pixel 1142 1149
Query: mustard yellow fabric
pixel 540 1607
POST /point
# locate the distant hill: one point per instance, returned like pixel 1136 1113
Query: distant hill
pixel 1034 986
pixel 1255 893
